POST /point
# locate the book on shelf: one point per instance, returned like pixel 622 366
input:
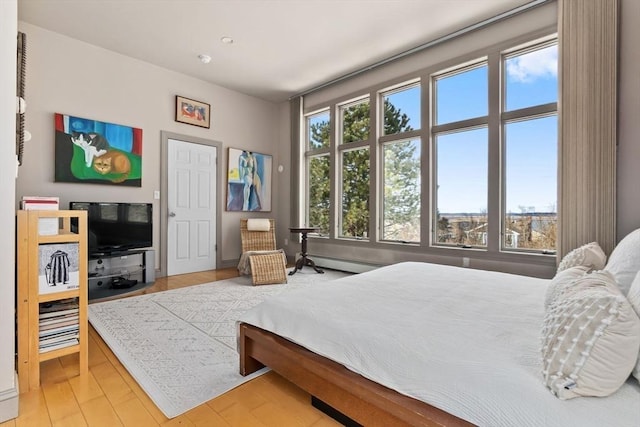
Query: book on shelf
pixel 59 324
pixel 55 314
pixel 62 344
pixel 63 304
pixel 58 338
pixel 46 226
pixel 56 331
pixel 60 333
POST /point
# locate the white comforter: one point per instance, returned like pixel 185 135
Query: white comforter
pixel 466 341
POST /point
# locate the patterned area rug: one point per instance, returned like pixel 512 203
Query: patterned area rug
pixel 180 345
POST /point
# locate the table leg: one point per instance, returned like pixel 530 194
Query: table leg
pixel 303 260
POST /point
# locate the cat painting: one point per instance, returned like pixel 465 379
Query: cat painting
pixel 113 162
pixel 94 152
pixel 93 145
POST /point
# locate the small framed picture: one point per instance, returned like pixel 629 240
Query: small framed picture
pixel 193 112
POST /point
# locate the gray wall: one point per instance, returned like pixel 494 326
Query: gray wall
pixel 72 77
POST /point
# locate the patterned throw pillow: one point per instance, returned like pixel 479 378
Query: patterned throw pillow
pixel 590 339
pixel 634 299
pixel 590 255
pixel 562 281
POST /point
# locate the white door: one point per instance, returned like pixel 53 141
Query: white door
pixel 191 200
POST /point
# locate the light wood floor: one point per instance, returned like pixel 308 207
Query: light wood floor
pixel 108 396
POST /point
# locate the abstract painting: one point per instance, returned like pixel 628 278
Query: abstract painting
pixel 94 152
pixel 193 112
pixel 249 181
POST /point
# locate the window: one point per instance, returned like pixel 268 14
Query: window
pixel 401 110
pixel 318 171
pixel 461 142
pixel 401 191
pixel 353 152
pixel 318 130
pixel 530 146
pixel 461 95
pixel 461 187
pixel 319 193
pixel 401 156
pixel 355 194
pixel 480 158
pixel 355 121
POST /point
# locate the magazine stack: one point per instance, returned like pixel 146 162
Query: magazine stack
pixel 58 324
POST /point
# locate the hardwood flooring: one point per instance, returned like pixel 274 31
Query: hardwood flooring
pixel 108 396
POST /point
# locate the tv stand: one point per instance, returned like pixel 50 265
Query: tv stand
pixel 115 273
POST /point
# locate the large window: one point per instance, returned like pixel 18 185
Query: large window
pixel 400 150
pixel 477 143
pixel 401 191
pixel 461 141
pixel 530 146
pixel 317 170
pixel 353 149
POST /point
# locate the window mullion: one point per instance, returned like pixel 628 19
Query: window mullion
pixel 495 162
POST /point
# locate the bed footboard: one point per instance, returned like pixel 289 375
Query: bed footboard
pixel 362 400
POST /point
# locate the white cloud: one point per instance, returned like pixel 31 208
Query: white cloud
pixel 540 63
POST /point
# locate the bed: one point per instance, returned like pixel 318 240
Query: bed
pixel 423 345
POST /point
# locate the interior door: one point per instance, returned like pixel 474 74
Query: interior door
pixel 191 202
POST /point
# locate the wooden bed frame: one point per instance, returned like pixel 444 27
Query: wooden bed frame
pixel 360 399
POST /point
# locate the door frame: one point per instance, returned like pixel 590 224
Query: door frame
pixel 164 188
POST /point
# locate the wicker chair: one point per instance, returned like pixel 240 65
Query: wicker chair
pixel 260 257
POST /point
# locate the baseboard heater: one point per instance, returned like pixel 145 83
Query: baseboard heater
pixel 339 264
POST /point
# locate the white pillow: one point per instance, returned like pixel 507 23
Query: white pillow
pixel 624 261
pixel 561 281
pixel 634 299
pixel 258 224
pixel 590 339
pixel 590 255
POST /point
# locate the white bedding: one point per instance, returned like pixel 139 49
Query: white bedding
pixel 466 341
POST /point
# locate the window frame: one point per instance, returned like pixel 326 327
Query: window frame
pixel 493 251
pixel 520 115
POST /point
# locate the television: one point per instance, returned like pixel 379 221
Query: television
pixel 117 227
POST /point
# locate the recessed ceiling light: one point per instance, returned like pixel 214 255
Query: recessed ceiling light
pixel 205 59
pixel 226 40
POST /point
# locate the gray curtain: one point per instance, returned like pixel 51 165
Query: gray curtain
pixel 588 46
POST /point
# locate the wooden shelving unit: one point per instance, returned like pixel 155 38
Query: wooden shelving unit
pixel 30 295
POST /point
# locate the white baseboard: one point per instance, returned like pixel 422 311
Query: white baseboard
pixel 342 265
pixel 9 403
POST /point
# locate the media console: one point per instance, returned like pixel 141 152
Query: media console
pixel 117 273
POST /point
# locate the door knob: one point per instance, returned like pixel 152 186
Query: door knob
pixel 172 214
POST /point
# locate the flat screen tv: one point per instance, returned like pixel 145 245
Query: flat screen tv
pixel 117 227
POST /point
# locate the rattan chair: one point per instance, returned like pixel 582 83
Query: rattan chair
pixel 260 257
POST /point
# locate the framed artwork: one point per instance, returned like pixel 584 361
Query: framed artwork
pixel 193 112
pixel 94 152
pixel 249 181
pixel 58 267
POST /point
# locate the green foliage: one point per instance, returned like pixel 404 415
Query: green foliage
pixel 401 177
pixel 319 193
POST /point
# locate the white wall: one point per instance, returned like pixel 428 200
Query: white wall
pixel 72 77
pixel 8 32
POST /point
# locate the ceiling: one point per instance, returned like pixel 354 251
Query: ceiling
pixel 280 47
